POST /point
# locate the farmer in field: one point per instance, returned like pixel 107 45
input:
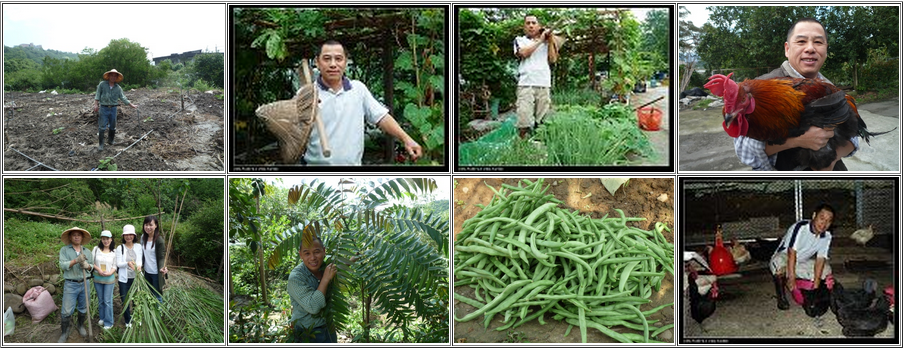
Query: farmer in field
pixel 107 97
pixel 533 92
pixel 308 284
pixel 345 104
pixel 75 260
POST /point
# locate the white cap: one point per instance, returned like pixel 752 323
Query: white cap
pixel 128 230
pixel 106 233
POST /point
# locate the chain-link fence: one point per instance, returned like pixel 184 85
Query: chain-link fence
pixel 758 208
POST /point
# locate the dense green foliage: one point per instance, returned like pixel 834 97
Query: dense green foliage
pixel 400 54
pixel 199 236
pixel 82 72
pixel 863 41
pixel 611 43
pixel 208 67
pixel 369 246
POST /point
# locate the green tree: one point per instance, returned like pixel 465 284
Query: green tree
pixel 129 58
pixel 656 38
pixel 372 246
pixel 209 68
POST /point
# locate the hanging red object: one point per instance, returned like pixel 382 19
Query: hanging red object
pixel 721 261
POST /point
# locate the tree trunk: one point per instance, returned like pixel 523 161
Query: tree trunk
pixel 689 70
pixel 389 150
pixel 366 303
pixel 261 271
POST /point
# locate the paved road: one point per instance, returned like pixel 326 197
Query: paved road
pixel 704 146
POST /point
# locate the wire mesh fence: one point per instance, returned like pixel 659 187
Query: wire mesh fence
pixel 759 208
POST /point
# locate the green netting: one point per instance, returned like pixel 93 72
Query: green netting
pixel 486 149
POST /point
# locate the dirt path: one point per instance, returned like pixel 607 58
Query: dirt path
pixel 638 199
pixel 746 307
pixel 60 131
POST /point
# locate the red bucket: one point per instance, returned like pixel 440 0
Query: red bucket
pixel 649 118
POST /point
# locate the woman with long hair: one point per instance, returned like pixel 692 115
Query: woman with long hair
pixel 128 259
pixel 104 278
pixel 153 250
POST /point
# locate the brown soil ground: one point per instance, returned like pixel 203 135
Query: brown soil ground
pixel 637 198
pixel 48 330
pixel 189 140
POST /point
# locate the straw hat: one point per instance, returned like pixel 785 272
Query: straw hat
pixel 114 71
pixel 86 236
pixel 128 230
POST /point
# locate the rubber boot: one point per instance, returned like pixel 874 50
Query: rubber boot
pixel 779 282
pixel 111 135
pixel 81 324
pixel 100 141
pixel 64 329
pixel 523 132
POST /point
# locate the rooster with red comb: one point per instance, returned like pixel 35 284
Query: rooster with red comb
pixel 773 110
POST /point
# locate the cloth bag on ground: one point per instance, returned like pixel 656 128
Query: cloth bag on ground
pixel 9 321
pixel 39 303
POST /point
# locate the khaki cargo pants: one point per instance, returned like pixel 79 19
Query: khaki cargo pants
pixel 532 105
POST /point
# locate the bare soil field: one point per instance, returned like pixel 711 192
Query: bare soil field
pixel 59 132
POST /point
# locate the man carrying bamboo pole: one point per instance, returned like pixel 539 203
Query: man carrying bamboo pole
pixel 344 105
pixel 74 258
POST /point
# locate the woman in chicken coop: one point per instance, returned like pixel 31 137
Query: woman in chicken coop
pixel 803 254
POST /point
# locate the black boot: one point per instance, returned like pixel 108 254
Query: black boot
pixel 81 324
pixel 779 282
pixel 64 329
pixel 111 134
pixel 100 141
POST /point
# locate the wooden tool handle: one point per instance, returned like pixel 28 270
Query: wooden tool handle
pixel 319 122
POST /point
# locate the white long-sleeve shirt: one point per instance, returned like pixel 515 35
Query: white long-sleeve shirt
pixel 125 271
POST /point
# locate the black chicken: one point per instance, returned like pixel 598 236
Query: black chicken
pixel 861 312
pixel 816 301
pixel 702 305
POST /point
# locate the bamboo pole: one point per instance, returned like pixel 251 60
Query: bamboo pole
pixel 173 229
pixel 52 216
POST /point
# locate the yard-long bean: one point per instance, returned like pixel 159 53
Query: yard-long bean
pixel 523 251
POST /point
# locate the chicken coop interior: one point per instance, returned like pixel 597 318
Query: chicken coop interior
pixel 752 216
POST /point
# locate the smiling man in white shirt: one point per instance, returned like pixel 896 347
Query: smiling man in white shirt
pixel 345 104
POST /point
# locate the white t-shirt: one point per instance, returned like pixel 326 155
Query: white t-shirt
pixel 123 257
pixel 533 70
pixel 150 255
pixel 344 113
pixel 807 245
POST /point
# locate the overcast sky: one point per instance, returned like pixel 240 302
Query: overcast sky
pixel 698 14
pixel 162 28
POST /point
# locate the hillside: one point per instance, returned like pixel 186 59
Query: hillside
pixel 34 54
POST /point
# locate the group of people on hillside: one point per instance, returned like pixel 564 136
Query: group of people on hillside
pixel 108 264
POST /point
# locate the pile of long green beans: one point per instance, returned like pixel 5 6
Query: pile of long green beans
pixel 523 251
